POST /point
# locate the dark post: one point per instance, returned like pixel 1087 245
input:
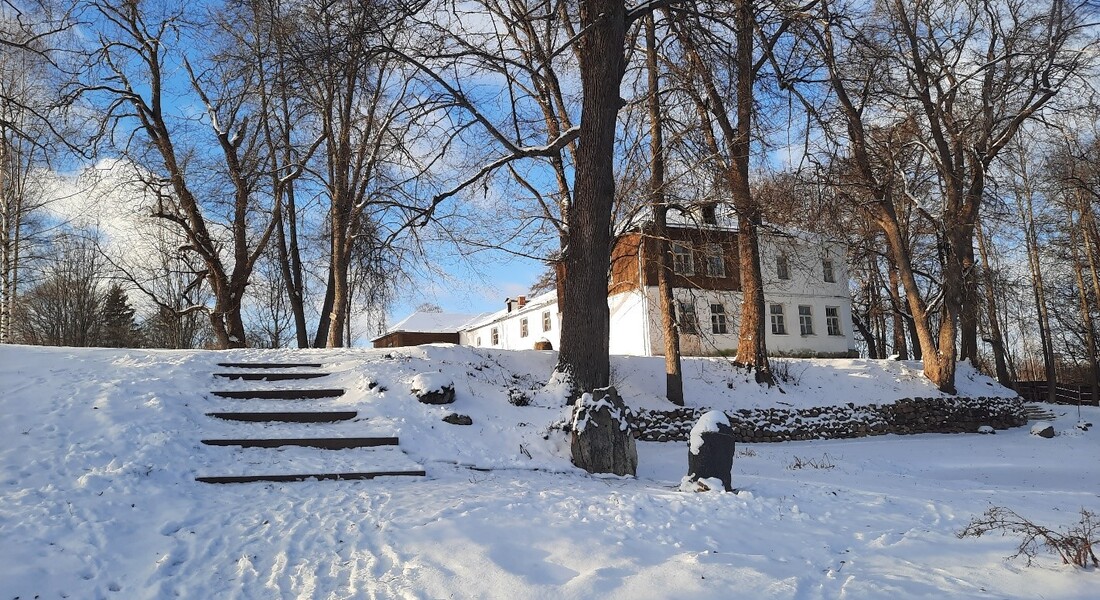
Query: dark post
pixel 711 449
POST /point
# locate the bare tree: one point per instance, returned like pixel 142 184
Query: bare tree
pixel 135 42
pixel 965 77
pixel 64 308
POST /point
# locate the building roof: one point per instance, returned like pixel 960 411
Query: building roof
pixel 431 322
pixel 533 304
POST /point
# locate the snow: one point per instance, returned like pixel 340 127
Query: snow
pixel 99 450
pixel 430 382
pixel 432 322
pixel 708 423
pixel 587 406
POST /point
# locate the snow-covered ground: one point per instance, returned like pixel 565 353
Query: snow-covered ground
pixel 99 450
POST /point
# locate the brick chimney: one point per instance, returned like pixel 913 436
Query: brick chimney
pixel 521 301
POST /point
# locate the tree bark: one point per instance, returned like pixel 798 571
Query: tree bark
pixel 584 338
pixel 674 380
pixel 900 342
pixel 996 340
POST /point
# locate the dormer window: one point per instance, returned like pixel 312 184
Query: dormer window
pixel 827 270
pixel 710 214
pixel 782 267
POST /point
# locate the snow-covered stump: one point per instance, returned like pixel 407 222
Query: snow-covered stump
pixel 710 454
pixel 602 441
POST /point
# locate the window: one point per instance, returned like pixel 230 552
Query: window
pixel 688 321
pixel 715 261
pixel 782 269
pixel 832 320
pixel 717 318
pixel 495 336
pixel 779 325
pixel 827 270
pixel 523 327
pixel 710 215
pixel 546 320
pixel 478 341
pixel 805 320
pixel 681 260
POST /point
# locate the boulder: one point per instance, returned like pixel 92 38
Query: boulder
pixel 1043 429
pixel 986 429
pixel 711 448
pixel 457 419
pixel 433 388
pixel 602 441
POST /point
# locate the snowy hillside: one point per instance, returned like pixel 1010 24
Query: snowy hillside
pixel 99 450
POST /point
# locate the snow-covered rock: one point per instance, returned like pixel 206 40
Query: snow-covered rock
pixel 602 441
pixel 1043 429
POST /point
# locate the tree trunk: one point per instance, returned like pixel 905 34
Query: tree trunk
pixel 939 358
pixel 584 338
pixel 737 141
pixel 900 343
pixel 1032 244
pixel 996 340
pixel 290 264
pixel 1086 313
pixel 324 320
pixel 674 380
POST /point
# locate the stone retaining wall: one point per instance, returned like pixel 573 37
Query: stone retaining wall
pixel 905 416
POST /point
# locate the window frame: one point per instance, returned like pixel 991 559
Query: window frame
pixel 546 323
pixel 687 320
pixel 777 319
pixel 783 267
pixel 831 320
pixel 523 327
pixel 714 251
pixel 805 320
pixel 718 321
pixel 828 270
pixel 494 335
pixel 683 261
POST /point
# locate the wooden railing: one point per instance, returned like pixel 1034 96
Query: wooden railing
pixel 1065 393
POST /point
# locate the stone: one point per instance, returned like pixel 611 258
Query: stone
pixel 986 429
pixel 433 388
pixel 711 450
pixel 601 441
pixel 1043 429
pixel 457 419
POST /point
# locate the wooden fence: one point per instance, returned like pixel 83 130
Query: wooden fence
pixel 1065 393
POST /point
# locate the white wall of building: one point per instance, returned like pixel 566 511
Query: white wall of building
pixel 630 333
pixel 509 327
pixel 636 315
pixel 805 285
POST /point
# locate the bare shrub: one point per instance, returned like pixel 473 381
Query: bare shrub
pixel 1074 545
pixel 825 462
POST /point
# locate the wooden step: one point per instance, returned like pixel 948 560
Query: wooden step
pixel 270 376
pixel 286 417
pixel 326 443
pixel 309 476
pixel 279 394
pixel 258 365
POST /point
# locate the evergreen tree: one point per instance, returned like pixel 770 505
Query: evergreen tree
pixel 118 328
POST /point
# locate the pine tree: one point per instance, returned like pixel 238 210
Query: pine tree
pixel 119 330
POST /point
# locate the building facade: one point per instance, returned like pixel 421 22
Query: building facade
pixel 808 309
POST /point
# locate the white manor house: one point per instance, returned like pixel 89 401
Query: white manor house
pixel 807 305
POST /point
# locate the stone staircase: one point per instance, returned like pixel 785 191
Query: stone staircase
pixel 1038 412
pixel 310 445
